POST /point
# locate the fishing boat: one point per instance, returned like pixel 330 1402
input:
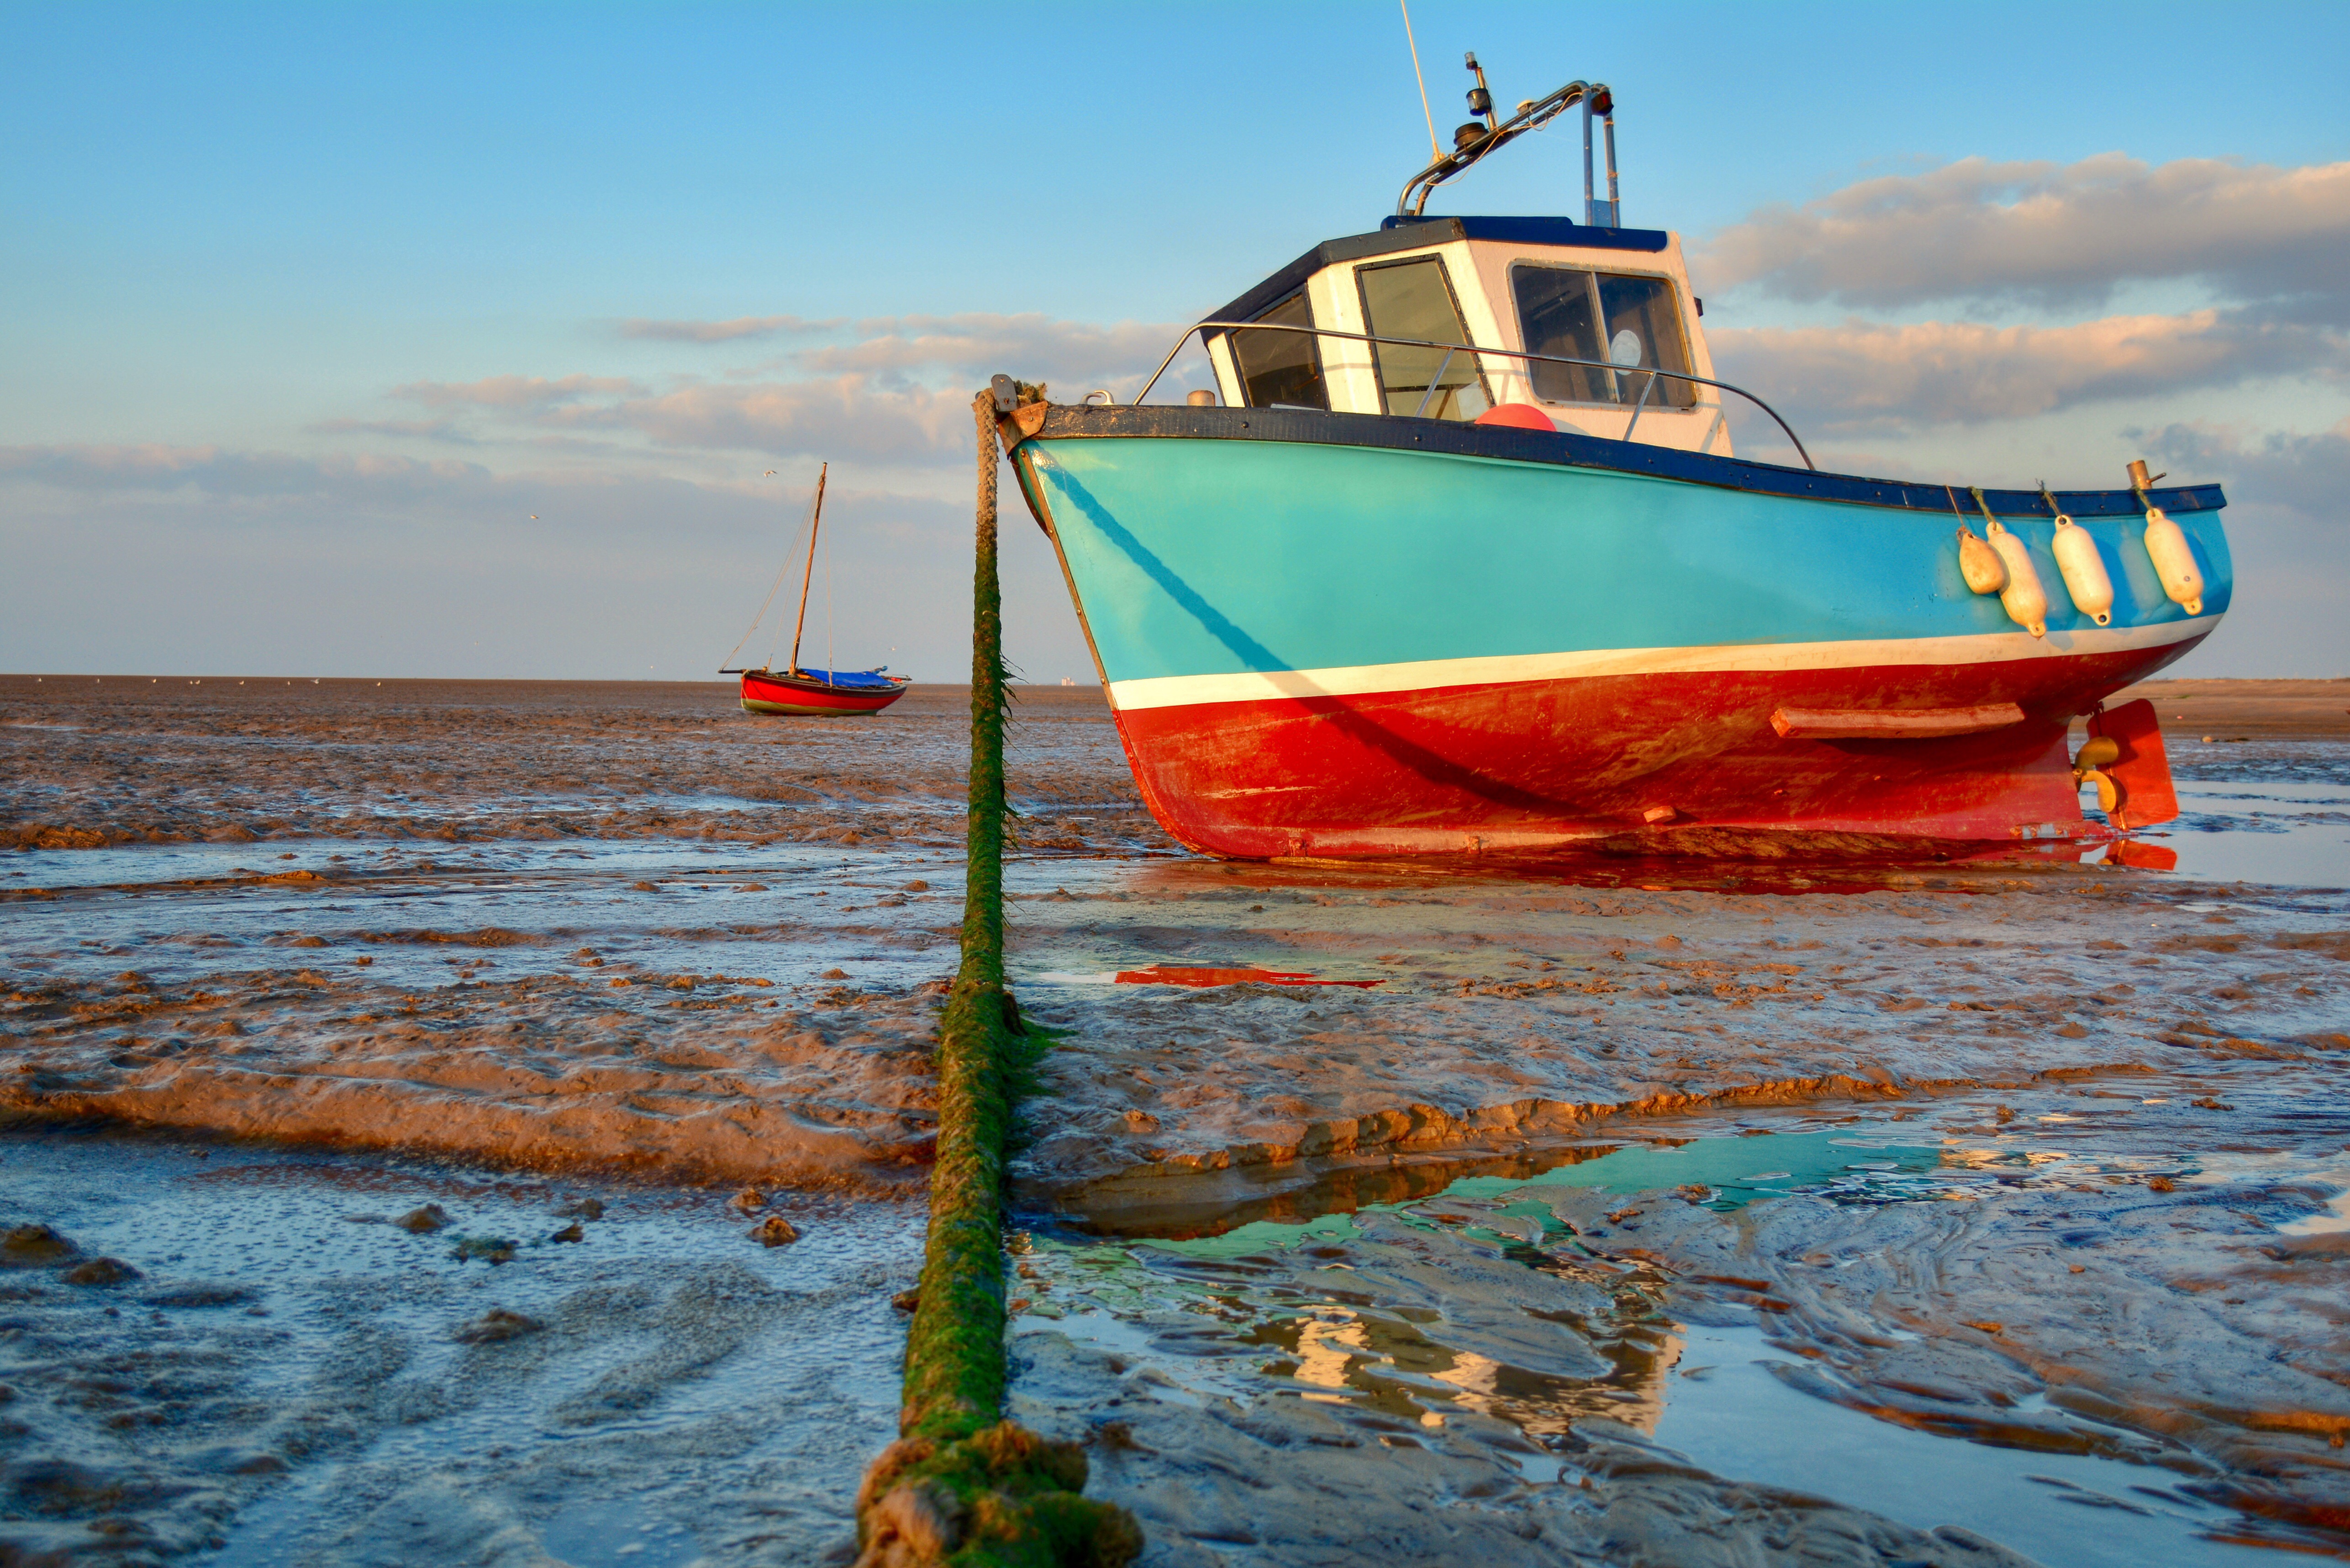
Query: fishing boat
pixel 797 689
pixel 1455 556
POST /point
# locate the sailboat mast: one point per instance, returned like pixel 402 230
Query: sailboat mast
pixel 814 522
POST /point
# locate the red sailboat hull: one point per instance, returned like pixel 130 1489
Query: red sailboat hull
pixel 765 691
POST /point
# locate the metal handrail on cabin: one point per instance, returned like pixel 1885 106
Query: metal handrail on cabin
pixel 1472 349
pixel 1473 144
pixel 1498 134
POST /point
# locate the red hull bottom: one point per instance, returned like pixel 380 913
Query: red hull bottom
pixel 762 694
pixel 1660 762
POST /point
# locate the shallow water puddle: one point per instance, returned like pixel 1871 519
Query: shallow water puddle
pixel 2293 834
pixel 1728 1411
pixel 2264 812
pixel 294 1378
pixel 1479 1299
pixel 2225 1167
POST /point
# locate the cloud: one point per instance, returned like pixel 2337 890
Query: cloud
pixel 2308 473
pixel 725 331
pixel 845 416
pixel 523 393
pixel 448 434
pixel 1879 376
pixel 899 392
pixel 425 429
pixel 211 470
pixel 2050 235
pixel 1032 346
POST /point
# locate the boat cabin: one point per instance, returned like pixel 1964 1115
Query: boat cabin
pixel 1617 299
pixel 1470 298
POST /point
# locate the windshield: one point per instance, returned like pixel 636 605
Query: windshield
pixel 1282 368
pixel 1617 318
pixel 1414 299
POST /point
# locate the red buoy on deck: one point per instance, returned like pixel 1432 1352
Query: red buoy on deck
pixel 1520 416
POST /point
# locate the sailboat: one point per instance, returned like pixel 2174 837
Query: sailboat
pixel 798 688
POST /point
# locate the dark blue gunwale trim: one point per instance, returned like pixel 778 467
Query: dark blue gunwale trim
pixel 1530 230
pixel 1311 427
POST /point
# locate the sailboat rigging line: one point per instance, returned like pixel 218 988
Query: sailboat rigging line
pixel 775 643
pixel 816 522
pixel 831 660
pixel 755 619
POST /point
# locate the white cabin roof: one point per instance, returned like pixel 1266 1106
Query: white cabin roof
pixel 1506 276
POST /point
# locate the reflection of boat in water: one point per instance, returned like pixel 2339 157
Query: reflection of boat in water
pixel 797 689
pixel 1456 557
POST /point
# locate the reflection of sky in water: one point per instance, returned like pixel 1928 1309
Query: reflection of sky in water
pixel 1733 1415
pixel 1270 1308
pixel 2276 815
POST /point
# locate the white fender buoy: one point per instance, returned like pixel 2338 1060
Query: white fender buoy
pixel 2174 562
pixel 1979 564
pixel 2084 570
pixel 2025 601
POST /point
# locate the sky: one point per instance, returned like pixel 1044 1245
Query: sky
pixel 505 340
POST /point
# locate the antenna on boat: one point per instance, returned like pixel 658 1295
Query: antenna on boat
pixel 815 521
pixel 1480 102
pixel 1433 148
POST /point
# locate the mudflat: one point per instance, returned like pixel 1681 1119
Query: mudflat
pixel 626 925
pixel 2035 1162
pixel 2278 708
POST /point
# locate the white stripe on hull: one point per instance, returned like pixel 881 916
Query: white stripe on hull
pixel 1427 674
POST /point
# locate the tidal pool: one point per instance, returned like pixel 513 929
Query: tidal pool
pixel 1585 1298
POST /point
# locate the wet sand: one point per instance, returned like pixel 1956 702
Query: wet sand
pixel 2267 708
pixel 89 761
pixel 274 1368
pixel 623 926
pixel 626 938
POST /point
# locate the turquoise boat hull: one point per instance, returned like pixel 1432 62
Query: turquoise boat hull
pixel 1340 634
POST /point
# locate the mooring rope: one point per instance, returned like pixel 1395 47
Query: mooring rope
pixel 963 1485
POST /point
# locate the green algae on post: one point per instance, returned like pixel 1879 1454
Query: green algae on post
pixel 962 1485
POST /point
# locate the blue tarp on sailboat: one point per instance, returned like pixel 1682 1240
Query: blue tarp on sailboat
pixel 855 679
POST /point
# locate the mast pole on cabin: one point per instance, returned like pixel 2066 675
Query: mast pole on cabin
pixel 814 522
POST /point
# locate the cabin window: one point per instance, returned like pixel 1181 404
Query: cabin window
pixel 1615 318
pixel 1279 368
pixel 1414 299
